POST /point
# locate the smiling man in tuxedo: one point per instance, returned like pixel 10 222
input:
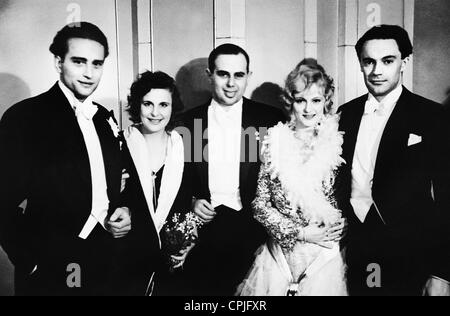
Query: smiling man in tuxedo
pixel 60 152
pixel 224 181
pixel 396 187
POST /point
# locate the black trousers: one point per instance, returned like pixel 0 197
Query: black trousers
pixel 56 275
pixel 224 253
pixel 379 265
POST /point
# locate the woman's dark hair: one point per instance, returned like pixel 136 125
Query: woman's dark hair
pixel 84 30
pixel 143 85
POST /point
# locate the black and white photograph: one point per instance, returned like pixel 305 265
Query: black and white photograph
pixel 225 152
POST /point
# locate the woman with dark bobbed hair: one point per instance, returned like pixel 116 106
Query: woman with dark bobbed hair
pixel 147 82
pixel 157 186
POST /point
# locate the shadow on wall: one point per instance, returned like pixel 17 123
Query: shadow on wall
pixel 4 4
pixel 269 93
pixel 193 83
pixel 12 90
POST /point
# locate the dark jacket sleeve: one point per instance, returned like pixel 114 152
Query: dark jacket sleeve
pixel 15 161
pixel 440 151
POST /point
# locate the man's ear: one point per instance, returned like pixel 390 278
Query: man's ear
pixel 360 65
pixel 58 64
pixel 405 62
pixel 209 74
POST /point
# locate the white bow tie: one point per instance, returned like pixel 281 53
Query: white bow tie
pixel 87 109
pixel 373 106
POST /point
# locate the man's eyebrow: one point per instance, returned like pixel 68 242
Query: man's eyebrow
pixel 78 58
pixel 390 57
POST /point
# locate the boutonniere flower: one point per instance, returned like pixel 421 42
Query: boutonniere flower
pixel 114 127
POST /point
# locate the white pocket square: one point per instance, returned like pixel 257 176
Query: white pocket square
pixel 414 139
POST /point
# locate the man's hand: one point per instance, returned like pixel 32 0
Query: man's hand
pixel 204 210
pixel 436 287
pixel 119 224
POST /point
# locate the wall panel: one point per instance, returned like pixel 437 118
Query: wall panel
pixel 431 49
pixel 275 43
pixel 183 37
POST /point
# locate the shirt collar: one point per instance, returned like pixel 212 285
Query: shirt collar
pixel 389 101
pixel 234 111
pixel 70 96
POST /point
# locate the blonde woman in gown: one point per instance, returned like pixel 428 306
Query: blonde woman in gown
pixel 295 201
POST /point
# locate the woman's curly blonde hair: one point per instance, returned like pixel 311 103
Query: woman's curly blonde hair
pixel 310 72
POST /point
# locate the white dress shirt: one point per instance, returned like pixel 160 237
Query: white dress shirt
pixel 373 123
pixel 100 202
pixel 224 146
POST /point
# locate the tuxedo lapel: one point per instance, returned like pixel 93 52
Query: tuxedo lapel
pixel 245 155
pixel 393 141
pixel 73 145
pixel 69 136
pixel 110 150
pixel 247 116
pixel 203 167
pixel 350 124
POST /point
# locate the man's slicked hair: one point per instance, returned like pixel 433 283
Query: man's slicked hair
pixel 383 32
pixel 226 49
pixel 84 30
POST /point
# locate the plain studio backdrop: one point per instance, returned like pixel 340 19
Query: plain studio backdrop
pixel 176 36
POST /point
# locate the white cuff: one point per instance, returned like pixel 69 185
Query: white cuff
pixel 92 222
pixel 440 279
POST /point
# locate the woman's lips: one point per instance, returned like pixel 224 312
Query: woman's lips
pixel 155 121
pixel 309 116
